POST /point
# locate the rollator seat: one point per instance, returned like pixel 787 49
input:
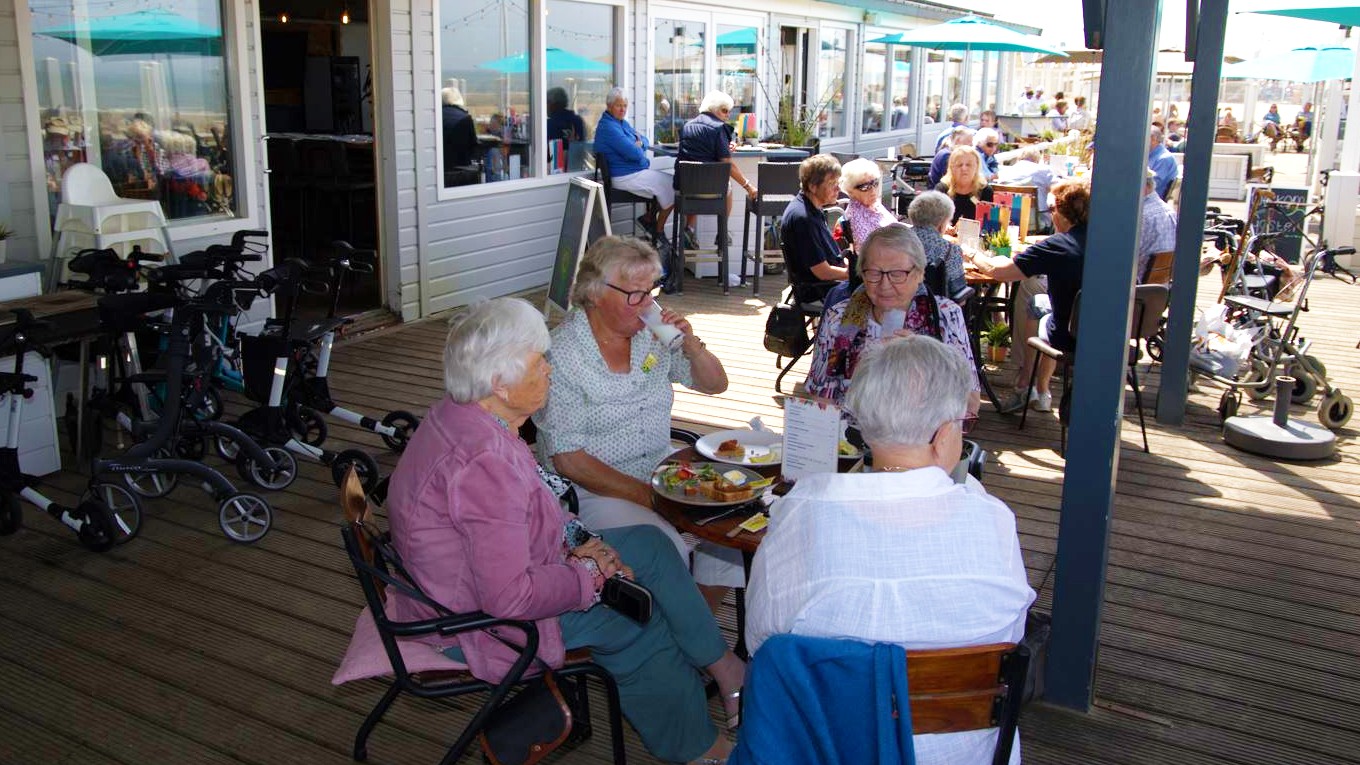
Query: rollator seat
pixel 1260 305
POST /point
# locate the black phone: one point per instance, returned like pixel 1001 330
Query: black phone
pixel 628 598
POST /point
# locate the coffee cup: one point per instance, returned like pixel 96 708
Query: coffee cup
pixel 893 320
pixel 668 335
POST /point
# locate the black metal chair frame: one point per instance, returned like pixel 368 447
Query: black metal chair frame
pixel 776 186
pixel 613 196
pixel 386 570
pixel 702 190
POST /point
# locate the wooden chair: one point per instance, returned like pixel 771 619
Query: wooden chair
pixel 378 567
pixel 960 689
pixel 1159 268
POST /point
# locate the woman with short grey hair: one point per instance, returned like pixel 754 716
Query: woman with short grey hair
pixel 908 390
pixel 479 529
pixel 892 263
pixel 861 180
pixel 930 214
pixel 716 101
pixel 709 138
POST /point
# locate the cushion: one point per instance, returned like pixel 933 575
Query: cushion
pixel 366 657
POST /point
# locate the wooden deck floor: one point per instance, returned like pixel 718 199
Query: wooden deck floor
pixel 1231 630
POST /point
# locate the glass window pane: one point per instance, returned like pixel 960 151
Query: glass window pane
pixel 484 80
pixel 831 75
pixel 142 94
pixel 738 50
pixel 580 73
pixel 934 85
pixel 874 90
pixel 679 87
pixel 901 87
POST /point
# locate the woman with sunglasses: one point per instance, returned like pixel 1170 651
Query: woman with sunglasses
pixel 607 423
pixel 902 555
pixel 892 263
pixel 861 180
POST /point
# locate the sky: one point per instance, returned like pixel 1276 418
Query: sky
pixel 1249 35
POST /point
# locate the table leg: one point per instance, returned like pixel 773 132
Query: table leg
pixel 79 445
pixel 975 332
pixel 740 596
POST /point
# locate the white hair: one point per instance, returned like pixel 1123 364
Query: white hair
pixel 614 95
pixel 612 257
pixel 958 113
pixel 905 389
pixel 984 135
pixel 962 136
pixel 894 237
pixel 858 171
pixel 452 96
pixel 715 100
pixel 931 209
pixel 487 344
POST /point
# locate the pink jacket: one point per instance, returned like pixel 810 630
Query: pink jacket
pixel 478 530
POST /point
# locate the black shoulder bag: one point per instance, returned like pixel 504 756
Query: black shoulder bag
pixel 786 332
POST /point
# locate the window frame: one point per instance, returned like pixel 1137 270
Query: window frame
pixel 712 20
pixel 850 83
pixel 538 79
pixel 238 35
pixel 874 33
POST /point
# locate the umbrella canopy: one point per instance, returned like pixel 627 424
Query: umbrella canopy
pixel 737 41
pixel 970 33
pixel 140 33
pixel 558 60
pixel 1344 12
pixel 1170 61
pixel 1299 65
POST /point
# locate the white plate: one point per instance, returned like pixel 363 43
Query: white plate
pixel 755 442
pixel 678 494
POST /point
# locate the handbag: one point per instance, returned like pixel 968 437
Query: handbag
pixel 1038 628
pixel 785 332
pixel 531 725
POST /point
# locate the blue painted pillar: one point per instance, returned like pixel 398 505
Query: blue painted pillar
pixel 1194 196
pixel 1102 340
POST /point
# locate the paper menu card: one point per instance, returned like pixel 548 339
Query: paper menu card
pixel 970 233
pixel 812 431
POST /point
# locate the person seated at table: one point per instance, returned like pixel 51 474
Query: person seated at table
pixel 1058 118
pixel 861 180
pixel 708 138
pixel 460 140
pixel 1175 137
pixel 987 142
pixel 965 184
pixel 1161 162
pixel 563 123
pixel 1271 127
pixel 134 162
pixel 810 251
pixel 1060 258
pixel 625 149
pixel 959 136
pixel 479 530
pixel 1228 120
pixel 958 117
pixel 902 555
pixel 1157 233
pixel 1303 123
pixel 892 263
pixel 901 114
pixel 930 214
pixel 1078 118
pixel 608 419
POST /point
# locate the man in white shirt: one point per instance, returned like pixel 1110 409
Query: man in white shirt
pixel 903 555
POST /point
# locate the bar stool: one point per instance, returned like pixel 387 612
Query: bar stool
pixel 613 196
pixel 776 186
pixel 701 189
pixel 91 211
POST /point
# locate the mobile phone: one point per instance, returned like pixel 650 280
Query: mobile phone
pixel 628 598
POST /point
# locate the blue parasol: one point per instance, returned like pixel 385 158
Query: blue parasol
pixel 558 60
pixel 969 33
pixel 140 33
pixel 1299 65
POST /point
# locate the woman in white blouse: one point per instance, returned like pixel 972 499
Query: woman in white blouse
pixel 608 418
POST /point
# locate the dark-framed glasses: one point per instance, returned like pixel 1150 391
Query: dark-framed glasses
pixel 635 297
pixel 874 276
pixel 965 422
pixel 867 185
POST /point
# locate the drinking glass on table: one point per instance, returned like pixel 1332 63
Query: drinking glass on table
pixel 667 334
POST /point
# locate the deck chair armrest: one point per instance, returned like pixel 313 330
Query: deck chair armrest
pixel 453 624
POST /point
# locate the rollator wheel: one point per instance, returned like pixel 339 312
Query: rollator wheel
pixel 1260 371
pixel 244 517
pixel 364 465
pixel 11 514
pixel 274 479
pixel 405 424
pixel 1228 404
pixel 226 448
pixel 1335 410
pixel 98 530
pixel 126 508
pixel 1315 363
pixel 1305 387
pixel 308 426
pixel 153 483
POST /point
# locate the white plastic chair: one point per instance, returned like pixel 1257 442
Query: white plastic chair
pixel 90 210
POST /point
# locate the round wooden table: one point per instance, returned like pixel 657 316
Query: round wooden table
pixel 719 532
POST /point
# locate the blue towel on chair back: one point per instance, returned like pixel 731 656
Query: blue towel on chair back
pixel 821 701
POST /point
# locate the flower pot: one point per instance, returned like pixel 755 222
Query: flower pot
pixel 997 353
pixel 1004 252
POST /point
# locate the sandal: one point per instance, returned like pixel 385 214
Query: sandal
pixel 734 719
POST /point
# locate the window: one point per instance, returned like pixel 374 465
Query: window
pixel 485 91
pixel 580 62
pixel 831 73
pixel 901 88
pixel 678 50
pixel 738 72
pixel 874 90
pixel 142 94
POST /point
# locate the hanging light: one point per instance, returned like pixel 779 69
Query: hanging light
pixel 344 16
pixel 283 17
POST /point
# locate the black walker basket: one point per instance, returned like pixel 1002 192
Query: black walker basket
pixel 258 356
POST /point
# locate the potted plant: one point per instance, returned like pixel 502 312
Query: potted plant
pixel 5 233
pixel 999 242
pixel 998 339
pixel 752 137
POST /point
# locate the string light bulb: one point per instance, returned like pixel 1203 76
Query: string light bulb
pixel 283 17
pixel 344 16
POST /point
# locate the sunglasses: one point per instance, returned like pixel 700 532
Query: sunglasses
pixel 867 185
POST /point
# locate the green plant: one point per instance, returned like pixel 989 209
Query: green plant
pixel 5 232
pixel 998 335
pixel 997 240
pixel 1048 135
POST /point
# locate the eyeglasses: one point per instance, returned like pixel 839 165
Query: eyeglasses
pixel 635 297
pixel 874 276
pixel 990 144
pixel 966 424
pixel 867 185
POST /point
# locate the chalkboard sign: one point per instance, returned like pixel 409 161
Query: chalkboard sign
pixel 1269 219
pixel 585 220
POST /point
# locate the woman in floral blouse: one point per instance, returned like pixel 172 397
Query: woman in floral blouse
pixel 893 264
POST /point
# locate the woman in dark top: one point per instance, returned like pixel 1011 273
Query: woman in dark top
pixel 460 140
pixel 810 252
pixel 964 183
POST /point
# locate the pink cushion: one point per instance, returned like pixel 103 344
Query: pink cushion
pixel 367 658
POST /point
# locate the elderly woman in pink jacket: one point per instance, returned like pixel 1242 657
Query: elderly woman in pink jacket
pixel 479 529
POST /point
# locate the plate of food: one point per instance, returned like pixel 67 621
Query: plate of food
pixel 742 447
pixel 705 484
pixel 771 145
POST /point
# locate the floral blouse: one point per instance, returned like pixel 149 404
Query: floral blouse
pixel 848 327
